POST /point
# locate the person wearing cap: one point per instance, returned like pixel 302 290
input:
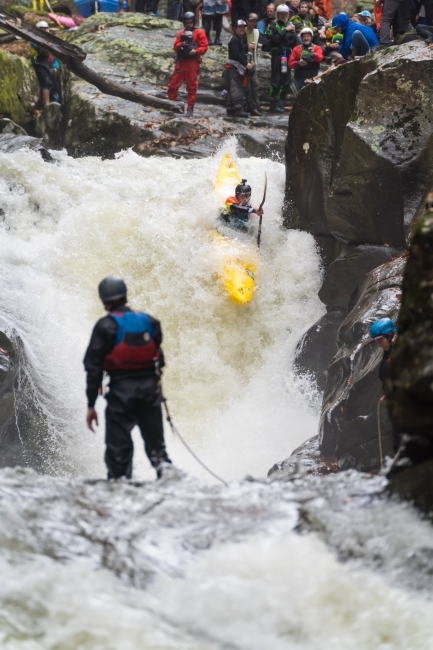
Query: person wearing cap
pixel 190 44
pixel 126 345
pixel 46 67
pixel 357 39
pixel 282 38
pixel 305 59
pixel 212 15
pixel 366 19
pixel 236 71
pixel 252 36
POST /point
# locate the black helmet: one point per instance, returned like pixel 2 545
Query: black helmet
pixel 111 289
pixel 189 17
pixel 243 188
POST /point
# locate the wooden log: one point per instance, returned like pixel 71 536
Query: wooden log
pixel 112 88
pixel 73 57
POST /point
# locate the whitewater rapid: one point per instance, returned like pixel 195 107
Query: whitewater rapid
pixel 228 377
pixel 183 563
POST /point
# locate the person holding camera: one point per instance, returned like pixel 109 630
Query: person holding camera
pixel 305 59
pixel 190 45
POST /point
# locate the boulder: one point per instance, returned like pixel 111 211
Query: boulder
pixel 306 459
pixel 19 89
pixel 317 347
pixel 365 126
pixel 342 277
pixel 8 126
pixel 10 143
pixel 350 423
pixel 49 125
pixel 410 383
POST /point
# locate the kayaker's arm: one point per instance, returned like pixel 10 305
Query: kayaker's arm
pixel 238 210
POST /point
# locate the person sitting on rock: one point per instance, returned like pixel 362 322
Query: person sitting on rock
pixel 236 72
pixel 263 24
pixel 305 59
pixel 46 68
pixel 283 39
pixel 190 44
pixel 357 39
pixel 237 209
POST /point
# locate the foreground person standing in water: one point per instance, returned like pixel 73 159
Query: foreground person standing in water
pixel 127 345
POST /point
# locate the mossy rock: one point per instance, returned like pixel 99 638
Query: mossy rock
pixel 19 88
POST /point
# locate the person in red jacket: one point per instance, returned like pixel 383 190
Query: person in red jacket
pixel 305 59
pixel 190 44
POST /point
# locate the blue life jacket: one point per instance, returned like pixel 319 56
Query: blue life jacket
pixel 135 347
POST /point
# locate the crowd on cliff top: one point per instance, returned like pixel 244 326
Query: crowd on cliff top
pixel 302 38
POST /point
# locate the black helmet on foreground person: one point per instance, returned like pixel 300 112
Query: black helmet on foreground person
pixel 188 17
pixel 112 288
pixel 243 188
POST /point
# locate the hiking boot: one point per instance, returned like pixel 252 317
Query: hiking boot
pixel 256 112
pixel 190 112
pixel 241 113
pixel 217 42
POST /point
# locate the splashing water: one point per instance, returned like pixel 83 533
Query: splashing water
pixel 228 381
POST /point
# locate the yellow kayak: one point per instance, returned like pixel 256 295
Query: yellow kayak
pixel 239 261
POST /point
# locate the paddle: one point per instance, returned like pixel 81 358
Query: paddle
pixel 261 206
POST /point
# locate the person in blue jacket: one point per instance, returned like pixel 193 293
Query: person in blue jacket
pixel 357 39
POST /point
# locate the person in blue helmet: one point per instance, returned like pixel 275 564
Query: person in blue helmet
pixel 357 39
pixel 384 333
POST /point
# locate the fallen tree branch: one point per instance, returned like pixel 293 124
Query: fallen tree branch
pixel 73 56
pixel 112 88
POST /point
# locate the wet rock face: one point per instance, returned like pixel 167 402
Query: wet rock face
pixel 410 383
pixel 19 88
pixel 349 419
pixel 366 126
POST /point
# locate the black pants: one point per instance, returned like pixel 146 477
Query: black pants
pixel 280 81
pixel 426 32
pixel 391 9
pixel 133 401
pixel 240 10
pixel 217 20
pixel 236 93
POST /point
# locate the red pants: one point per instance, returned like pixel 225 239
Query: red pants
pixel 185 70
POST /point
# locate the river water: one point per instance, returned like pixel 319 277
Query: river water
pixel 184 563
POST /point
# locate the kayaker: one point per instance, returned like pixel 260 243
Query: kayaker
pixel 127 345
pixel 237 209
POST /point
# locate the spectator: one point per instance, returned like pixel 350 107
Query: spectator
pixel 293 7
pixel 263 25
pixel 365 18
pixel 391 10
pixel 236 72
pixel 212 12
pixel 46 67
pixel 324 9
pixel 282 38
pixel 302 19
pixel 241 9
pixel 357 39
pixel 252 38
pixel 305 59
pixel 190 44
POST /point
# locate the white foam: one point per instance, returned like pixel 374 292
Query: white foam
pixel 68 225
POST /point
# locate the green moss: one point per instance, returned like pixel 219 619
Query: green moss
pixel 19 88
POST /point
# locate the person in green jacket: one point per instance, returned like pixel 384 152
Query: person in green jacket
pixel 302 18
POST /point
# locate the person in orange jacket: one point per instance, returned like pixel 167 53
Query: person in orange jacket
pixel 305 59
pixel 237 209
pixel 190 44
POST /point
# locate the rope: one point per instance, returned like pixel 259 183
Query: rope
pixel 185 444
pixel 379 434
